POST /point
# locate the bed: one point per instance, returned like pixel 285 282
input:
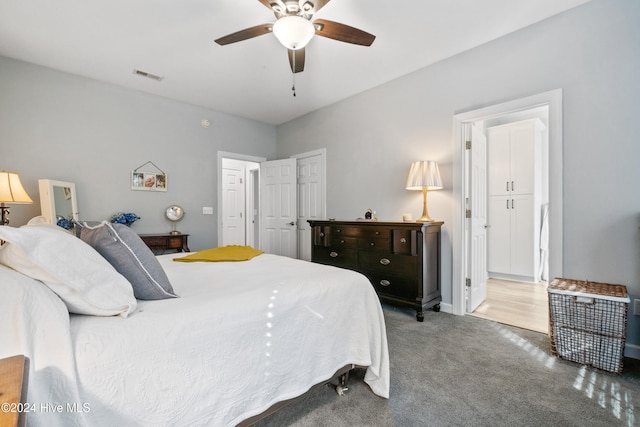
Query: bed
pixel 234 340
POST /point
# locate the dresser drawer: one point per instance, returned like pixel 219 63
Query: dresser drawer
pixel 156 241
pixel 389 284
pixel 402 265
pixel 335 256
pixel 405 242
pixel 343 242
pixel 374 243
pixel 337 230
pixel 381 233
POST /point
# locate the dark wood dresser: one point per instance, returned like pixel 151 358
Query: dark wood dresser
pixel 161 243
pixel 401 259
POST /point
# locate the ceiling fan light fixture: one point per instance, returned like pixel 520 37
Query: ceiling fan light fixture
pixel 294 32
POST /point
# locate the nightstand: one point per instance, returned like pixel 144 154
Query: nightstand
pixel 161 243
pixel 14 377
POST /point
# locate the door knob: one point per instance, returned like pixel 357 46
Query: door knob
pixel 292 223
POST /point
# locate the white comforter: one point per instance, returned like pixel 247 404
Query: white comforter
pixel 243 336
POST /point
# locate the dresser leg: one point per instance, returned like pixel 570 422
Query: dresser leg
pixel 420 316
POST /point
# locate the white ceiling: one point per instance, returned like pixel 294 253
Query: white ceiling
pixel 106 40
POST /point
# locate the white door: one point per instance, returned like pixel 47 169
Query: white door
pixel 478 221
pixel 310 171
pixel 278 207
pixel 233 205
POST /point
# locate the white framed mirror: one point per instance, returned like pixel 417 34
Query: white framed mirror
pixel 58 202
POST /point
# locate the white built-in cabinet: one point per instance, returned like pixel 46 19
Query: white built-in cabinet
pixel 514 190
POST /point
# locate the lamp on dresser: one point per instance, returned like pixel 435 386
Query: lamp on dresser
pixel 11 191
pixel 424 175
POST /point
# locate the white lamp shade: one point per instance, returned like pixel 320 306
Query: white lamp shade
pixel 294 32
pixel 11 189
pixel 424 174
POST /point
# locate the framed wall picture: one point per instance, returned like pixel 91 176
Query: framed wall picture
pixel 148 181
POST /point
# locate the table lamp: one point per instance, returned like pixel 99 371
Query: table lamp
pixel 11 191
pixel 424 175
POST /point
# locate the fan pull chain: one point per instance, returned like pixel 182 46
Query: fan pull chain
pixel 293 76
pixel 293 88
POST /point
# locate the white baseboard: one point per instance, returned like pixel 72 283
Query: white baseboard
pixel 632 351
pixel 446 308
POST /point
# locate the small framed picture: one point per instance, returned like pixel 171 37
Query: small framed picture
pixel 145 181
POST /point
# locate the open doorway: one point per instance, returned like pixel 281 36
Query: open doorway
pixel 250 195
pixel 463 259
pixel 514 227
pixel 238 199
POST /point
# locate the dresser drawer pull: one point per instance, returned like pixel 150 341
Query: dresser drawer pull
pixel 372 244
pixel 385 261
pixel 342 242
pixel 333 254
pixel 321 234
pixel 338 231
pixel 377 233
pixel 403 241
pixel 384 282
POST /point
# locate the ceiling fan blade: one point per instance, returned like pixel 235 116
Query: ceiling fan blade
pixel 299 60
pixel 245 34
pixel 266 3
pixel 342 32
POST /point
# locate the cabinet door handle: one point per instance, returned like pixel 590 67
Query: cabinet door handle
pixel 384 282
pixel 511 185
pixel 512 206
pixel 385 261
pixel 507 203
pixel 333 254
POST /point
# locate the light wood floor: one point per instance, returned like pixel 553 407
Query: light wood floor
pixel 524 305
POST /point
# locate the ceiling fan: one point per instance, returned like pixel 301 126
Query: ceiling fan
pixel 294 29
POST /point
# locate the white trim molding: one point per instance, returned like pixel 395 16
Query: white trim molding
pixel 552 99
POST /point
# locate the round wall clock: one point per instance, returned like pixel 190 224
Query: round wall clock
pixel 174 213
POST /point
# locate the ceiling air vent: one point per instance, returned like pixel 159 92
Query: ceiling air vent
pixel 148 75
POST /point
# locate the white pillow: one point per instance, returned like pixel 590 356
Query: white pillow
pixel 79 275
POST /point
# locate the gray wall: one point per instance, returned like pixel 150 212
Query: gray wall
pixel 591 52
pixel 60 126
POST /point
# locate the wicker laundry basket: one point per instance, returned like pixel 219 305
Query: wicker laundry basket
pixel 588 322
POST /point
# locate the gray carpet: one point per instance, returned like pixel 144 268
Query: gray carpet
pixel 465 371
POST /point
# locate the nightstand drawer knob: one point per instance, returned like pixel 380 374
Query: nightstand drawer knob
pixel 372 244
pixel 385 282
pixel 333 254
pixel 385 261
pixel 321 234
pixel 403 241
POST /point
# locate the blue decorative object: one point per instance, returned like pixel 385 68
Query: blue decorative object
pixel 124 218
pixel 65 223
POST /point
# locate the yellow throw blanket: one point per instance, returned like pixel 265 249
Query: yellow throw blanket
pixel 225 253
